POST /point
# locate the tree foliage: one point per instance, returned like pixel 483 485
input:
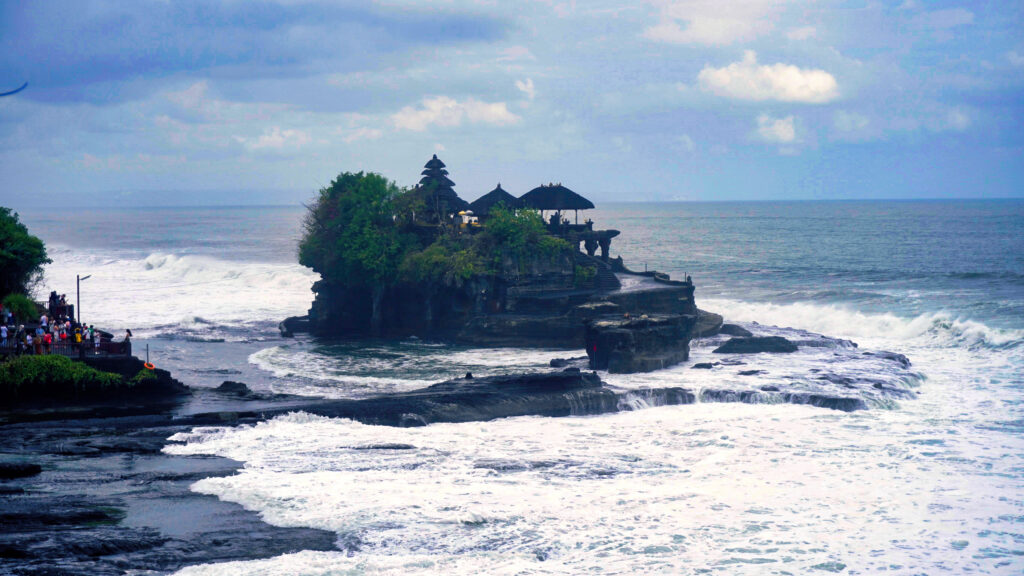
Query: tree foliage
pixel 352 234
pixel 21 306
pixel 22 255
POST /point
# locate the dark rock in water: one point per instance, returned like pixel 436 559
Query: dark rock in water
pixel 10 470
pixel 234 388
pixel 563 362
pixel 628 345
pixel 392 446
pixel 734 330
pixel 289 326
pixel 842 403
pixel 704 365
pixel 566 393
pixel 751 373
pixel 898 358
pixel 757 344
pixel 769 388
pixel 708 324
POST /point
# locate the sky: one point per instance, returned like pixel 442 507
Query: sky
pixel 264 102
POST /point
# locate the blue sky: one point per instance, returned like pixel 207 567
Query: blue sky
pixel 263 102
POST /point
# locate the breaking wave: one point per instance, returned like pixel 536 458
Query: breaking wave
pixel 940 329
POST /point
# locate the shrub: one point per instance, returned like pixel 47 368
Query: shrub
pixel 22 255
pixel 143 377
pixel 21 306
pixel 52 376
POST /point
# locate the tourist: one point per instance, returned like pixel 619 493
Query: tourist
pixel 28 341
pixel 43 322
pixel 3 336
pixel 78 337
pixel 96 341
pixel 47 341
pixel 91 331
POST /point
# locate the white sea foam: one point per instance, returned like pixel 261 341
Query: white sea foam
pixel 738 489
pixel 175 293
pixel 938 328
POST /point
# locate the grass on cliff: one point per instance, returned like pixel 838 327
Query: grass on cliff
pixel 54 377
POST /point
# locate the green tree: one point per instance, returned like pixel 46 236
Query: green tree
pixel 22 255
pixel 352 235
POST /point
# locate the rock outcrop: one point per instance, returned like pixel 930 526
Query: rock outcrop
pixel 628 345
pixel 755 345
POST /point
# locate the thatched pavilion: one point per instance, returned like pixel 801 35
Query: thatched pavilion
pixel 482 206
pixel 556 197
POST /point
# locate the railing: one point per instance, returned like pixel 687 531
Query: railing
pixel 69 348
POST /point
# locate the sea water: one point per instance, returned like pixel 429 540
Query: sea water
pixel 929 485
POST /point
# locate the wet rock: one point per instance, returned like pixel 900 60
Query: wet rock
pixel 564 362
pixel 734 330
pixel 755 345
pixel 751 372
pixel 644 344
pixel 10 470
pixel 898 358
pixel 704 365
pixel 233 388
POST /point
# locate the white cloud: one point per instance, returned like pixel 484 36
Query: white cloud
pixel 1015 58
pixel 527 88
pixel 191 98
pixel 712 22
pixel 776 130
pixel 363 134
pixel 687 143
pixel 446 112
pixel 276 139
pixel 952 120
pixel 516 53
pixel 802 33
pixel 746 80
pixel 944 19
pixel 850 121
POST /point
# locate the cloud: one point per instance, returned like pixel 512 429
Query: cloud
pixel 101 51
pixel 850 121
pixel 952 120
pixel 802 33
pixel 776 130
pixel 687 143
pixel 527 88
pixel 363 134
pixel 712 22
pixel 447 112
pixel 277 139
pixel 745 80
pixel 1014 58
pixel 944 19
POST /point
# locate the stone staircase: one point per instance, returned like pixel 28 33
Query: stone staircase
pixel 606 280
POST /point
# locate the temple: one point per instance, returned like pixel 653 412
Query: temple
pixel 521 299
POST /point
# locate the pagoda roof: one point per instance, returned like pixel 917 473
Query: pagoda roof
pixel 482 205
pixel 434 162
pixel 555 197
pixel 441 180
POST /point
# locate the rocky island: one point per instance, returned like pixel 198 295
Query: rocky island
pixel 502 271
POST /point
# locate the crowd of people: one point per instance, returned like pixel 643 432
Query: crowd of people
pixel 56 332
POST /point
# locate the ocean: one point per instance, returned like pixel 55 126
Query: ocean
pixel 924 485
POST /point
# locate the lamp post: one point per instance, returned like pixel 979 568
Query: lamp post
pixel 78 295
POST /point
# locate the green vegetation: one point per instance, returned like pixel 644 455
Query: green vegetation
pixel 143 376
pixel 21 306
pixel 363 232
pixel 353 237
pixel 583 276
pixel 22 255
pixel 52 376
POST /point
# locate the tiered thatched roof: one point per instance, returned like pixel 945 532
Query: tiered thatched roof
pixel 438 191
